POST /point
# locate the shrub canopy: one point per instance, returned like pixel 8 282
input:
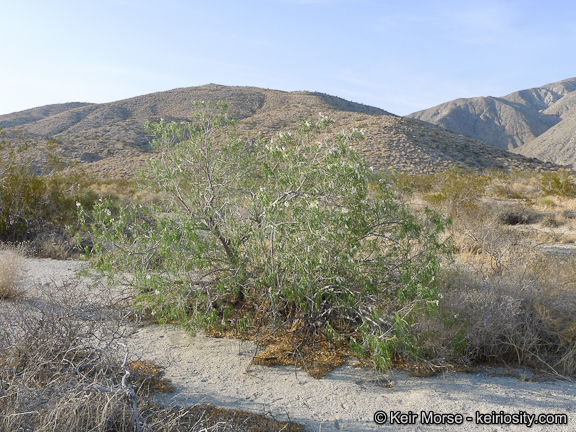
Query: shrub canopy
pixel 291 226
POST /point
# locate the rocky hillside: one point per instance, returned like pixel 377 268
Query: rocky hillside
pixel 109 139
pixel 538 122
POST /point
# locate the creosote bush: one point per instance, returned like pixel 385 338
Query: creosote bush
pixel 274 236
pixel 559 183
pixel 457 191
pixel 31 204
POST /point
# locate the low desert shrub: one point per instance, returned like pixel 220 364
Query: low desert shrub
pixel 31 204
pixel 558 183
pixel 519 318
pixel 57 348
pixel 552 221
pixel 517 216
pixel 41 210
pixel 56 245
pixel 547 202
pixel 456 191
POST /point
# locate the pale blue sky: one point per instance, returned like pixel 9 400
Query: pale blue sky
pixel 400 55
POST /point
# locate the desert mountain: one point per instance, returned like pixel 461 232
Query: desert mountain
pixel 538 122
pixel 109 139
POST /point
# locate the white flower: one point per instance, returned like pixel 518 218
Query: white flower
pixel 78 204
pixel 156 292
pixel 148 277
pixel 437 302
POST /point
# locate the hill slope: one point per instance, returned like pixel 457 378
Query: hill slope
pixel 109 139
pixel 538 122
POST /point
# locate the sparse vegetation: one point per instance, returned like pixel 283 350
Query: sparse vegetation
pixel 292 241
pixel 505 299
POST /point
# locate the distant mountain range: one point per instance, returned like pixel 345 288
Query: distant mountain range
pixel 108 139
pixel 538 122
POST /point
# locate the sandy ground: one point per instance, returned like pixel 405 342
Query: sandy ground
pixel 219 372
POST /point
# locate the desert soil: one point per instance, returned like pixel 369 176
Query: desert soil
pixel 219 372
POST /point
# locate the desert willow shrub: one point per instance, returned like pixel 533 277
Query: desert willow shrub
pixel 285 225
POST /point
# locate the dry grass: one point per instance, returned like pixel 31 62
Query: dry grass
pixel 62 368
pixel 509 296
pixel 10 275
pixel 524 316
pixel 506 299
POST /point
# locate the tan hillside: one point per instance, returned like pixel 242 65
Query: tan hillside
pixel 35 114
pixel 109 140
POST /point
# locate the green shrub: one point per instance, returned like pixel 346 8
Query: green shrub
pixel 283 229
pixel 456 190
pixel 30 204
pixel 558 183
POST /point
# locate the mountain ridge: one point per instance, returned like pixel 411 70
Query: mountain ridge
pixel 537 122
pixel 109 138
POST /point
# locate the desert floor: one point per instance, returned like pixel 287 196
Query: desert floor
pixel 219 372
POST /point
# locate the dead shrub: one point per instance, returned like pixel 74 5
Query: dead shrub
pixel 60 365
pixel 552 221
pixel 63 368
pixel 512 302
pixel 496 315
pixel 486 246
pixel 55 245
